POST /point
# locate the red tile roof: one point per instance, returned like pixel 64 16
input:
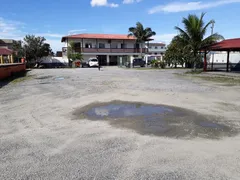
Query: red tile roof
pixel 99 36
pixel 225 45
pixel 5 51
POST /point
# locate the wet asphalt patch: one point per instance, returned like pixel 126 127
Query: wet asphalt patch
pixel 158 120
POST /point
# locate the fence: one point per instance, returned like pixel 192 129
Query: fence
pixel 223 66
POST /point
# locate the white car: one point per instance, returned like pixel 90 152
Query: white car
pixel 92 62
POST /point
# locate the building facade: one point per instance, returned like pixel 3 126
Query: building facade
pixel 156 49
pixel 108 48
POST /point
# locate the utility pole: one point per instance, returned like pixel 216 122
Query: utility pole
pixel 213 22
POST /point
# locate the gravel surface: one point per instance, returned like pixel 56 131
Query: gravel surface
pixel 40 138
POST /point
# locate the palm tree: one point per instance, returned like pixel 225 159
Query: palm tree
pixel 193 35
pixel 141 34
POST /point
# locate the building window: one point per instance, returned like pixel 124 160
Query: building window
pixel 156 47
pixel 161 47
pixel 114 45
pixel 88 45
pixel 137 46
pixel 77 45
pixel 150 47
pixel 155 53
pixel 123 46
pixel 101 45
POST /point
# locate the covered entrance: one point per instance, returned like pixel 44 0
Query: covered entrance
pixel 113 60
pixel 102 60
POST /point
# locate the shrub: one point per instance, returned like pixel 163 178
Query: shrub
pixel 162 64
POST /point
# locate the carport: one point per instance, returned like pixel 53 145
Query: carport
pixel 227 45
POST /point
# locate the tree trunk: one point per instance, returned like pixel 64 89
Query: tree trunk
pixel 195 66
pixel 195 61
pixel 141 50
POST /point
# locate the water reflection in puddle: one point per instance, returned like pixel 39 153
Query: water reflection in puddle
pixel 157 120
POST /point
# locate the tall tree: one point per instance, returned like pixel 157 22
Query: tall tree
pixel 32 48
pixel 193 36
pixel 35 47
pixel 18 49
pixel 141 34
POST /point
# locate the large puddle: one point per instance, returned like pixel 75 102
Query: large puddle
pixel 157 120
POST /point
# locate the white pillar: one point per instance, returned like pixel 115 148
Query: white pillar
pixel 131 61
pixel 120 61
pixel 108 60
pixel 146 60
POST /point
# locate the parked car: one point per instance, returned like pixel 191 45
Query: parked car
pixel 137 62
pixel 92 62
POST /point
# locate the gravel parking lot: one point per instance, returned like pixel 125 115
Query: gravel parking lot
pixel 41 139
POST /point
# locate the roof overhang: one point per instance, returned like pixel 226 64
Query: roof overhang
pixel 225 45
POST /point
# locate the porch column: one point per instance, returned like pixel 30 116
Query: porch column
pixel 131 61
pixel 108 60
pixel 82 46
pixel 205 61
pixel 228 54
pixel 11 58
pixel 146 60
pixel 1 59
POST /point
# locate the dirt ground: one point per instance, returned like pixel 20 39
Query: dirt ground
pixel 40 138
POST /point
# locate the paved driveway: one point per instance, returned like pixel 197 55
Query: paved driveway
pixel 40 138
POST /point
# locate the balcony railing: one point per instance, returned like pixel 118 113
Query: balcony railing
pixel 113 50
pixel 109 50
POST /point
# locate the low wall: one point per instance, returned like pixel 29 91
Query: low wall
pixel 7 70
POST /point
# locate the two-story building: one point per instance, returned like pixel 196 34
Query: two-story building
pixel 108 48
pixel 157 49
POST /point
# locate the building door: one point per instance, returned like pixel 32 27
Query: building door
pixel 102 60
pixel 113 60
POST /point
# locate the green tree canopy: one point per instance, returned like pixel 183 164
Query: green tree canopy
pixel 32 48
pixel 193 35
pixel 140 33
pixel 35 47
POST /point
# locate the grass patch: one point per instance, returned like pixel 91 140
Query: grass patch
pixel 16 78
pixel 198 71
pixel 21 79
pixel 144 68
pixel 228 81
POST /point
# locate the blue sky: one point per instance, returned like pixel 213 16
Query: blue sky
pixel 54 19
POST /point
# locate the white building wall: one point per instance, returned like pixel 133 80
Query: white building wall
pixel 221 57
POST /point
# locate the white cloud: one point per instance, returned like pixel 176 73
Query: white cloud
pixel 52 35
pixel 11 29
pixel 75 31
pixel 131 1
pixel 164 38
pixel 103 3
pixel 189 6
